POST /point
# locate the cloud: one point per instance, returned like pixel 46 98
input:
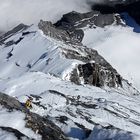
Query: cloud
pixel 13 12
pixel 120 46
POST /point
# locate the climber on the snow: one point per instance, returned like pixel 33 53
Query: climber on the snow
pixel 119 80
pixel 78 97
pixel 28 103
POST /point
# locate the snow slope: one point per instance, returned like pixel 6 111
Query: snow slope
pixel 35 52
pixel 56 98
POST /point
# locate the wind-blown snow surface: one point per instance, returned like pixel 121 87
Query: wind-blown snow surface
pixel 111 107
pixel 120 46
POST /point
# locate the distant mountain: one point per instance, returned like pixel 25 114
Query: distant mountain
pixel 77 93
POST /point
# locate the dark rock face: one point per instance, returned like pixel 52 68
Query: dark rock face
pixel 130 6
pixel 11 103
pixel 40 125
pixel 43 126
pixel 77 20
pixel 69 28
pixel 17 133
pixel 97 75
pixel 9 43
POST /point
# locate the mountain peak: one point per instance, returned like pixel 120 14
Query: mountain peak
pixel 70 80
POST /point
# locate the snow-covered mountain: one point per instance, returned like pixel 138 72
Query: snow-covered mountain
pixel 74 72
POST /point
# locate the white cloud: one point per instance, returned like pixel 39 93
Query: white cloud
pixel 13 12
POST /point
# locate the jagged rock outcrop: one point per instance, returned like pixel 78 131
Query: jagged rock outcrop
pixel 97 75
pixel 75 20
pixel 11 103
pixel 95 70
pixel 40 125
pixel 68 36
